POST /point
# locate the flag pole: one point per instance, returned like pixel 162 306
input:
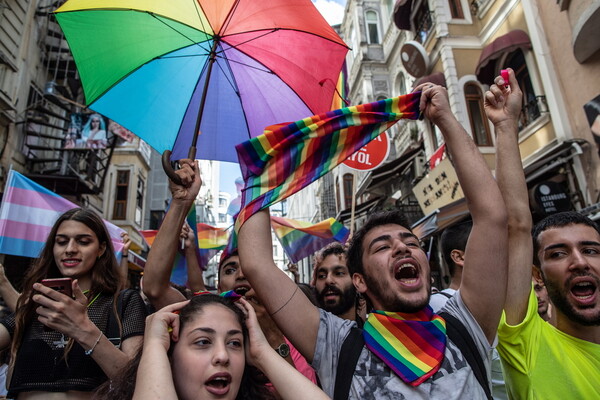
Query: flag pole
pixel 353 208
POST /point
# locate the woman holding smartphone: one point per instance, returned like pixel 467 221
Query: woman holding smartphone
pixel 59 343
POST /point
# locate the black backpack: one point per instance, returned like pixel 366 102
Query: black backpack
pixel 457 333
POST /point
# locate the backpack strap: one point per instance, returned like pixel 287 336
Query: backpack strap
pixel 448 295
pixel 348 358
pixel 113 333
pixel 457 332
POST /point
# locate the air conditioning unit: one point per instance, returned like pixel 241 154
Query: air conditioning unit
pixel 418 166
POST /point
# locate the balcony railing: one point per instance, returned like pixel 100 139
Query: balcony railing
pixel 532 110
pixel 424 26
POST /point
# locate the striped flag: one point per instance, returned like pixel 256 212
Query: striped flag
pixel 288 157
pixel 301 239
pixel 27 214
pixel 210 241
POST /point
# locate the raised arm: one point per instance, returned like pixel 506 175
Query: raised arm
pixel 287 305
pixel 484 273
pixel 195 280
pixel 288 381
pixel 502 106
pixel 124 265
pixel 157 273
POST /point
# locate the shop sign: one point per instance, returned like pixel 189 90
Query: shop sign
pixel 440 187
pixel 551 197
pixel 414 58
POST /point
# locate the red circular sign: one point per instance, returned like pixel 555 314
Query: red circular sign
pixel 370 156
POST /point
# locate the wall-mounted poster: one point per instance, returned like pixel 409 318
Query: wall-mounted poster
pixel 86 131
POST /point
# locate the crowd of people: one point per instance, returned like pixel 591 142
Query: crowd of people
pixel 520 318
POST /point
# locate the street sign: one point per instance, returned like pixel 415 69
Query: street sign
pixel 370 156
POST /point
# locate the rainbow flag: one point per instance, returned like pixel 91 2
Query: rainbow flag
pixel 300 239
pixel 341 90
pixel 211 240
pixel 27 214
pixel 288 157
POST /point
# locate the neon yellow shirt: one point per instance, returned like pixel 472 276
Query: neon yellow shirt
pixel 541 362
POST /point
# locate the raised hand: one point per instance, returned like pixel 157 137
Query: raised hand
pixel 163 326
pixel 434 103
pixel 62 313
pixel 189 173
pixel 503 104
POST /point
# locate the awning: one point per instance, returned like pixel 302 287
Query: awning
pixel 486 66
pixel 385 172
pixel 440 219
pixel 436 78
pixel 551 156
pixel 359 210
pixel 402 14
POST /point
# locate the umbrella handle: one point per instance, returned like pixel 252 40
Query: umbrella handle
pixel 166 164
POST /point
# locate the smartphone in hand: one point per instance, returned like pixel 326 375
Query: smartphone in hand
pixel 62 285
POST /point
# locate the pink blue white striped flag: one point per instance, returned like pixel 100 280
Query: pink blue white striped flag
pixel 27 213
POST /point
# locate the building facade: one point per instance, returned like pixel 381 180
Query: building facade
pixel 463 45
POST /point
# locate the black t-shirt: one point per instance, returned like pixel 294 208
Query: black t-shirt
pixel 40 363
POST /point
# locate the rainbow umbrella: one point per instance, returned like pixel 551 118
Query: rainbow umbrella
pixel 157 67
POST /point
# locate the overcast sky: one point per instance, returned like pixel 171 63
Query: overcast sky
pixel 332 10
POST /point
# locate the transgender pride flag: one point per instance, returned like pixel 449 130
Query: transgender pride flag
pixel 27 214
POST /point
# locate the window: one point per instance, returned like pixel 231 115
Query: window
pixel 456 9
pixel 479 125
pixel 156 217
pixel 222 202
pixel 120 208
pixel 348 187
pixel 422 22
pixel 222 217
pixel 372 26
pixel 139 201
pixel 401 84
pixel 531 109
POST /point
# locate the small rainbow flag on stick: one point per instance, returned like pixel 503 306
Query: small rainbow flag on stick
pixel 301 239
pixel 288 157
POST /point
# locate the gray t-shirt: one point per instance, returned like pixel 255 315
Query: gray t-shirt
pixel 373 379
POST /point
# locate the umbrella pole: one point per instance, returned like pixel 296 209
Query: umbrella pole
pixel 166 156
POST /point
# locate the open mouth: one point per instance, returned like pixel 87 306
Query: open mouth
pixel 407 274
pixel 241 290
pixel 218 384
pixel 583 290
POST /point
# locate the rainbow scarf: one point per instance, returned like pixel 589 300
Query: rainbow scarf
pixel 411 344
pixel 290 156
pixel 300 239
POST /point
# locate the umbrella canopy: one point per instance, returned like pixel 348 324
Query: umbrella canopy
pixel 144 63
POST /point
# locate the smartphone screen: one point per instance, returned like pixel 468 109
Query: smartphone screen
pixel 62 285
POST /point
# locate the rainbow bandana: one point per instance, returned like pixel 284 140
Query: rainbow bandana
pixel 411 344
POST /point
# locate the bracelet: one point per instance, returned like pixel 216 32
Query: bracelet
pixel 90 351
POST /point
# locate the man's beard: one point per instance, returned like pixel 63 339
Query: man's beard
pixel 347 299
pixel 558 297
pixel 393 303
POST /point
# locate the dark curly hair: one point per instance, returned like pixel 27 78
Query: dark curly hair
pixel 253 382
